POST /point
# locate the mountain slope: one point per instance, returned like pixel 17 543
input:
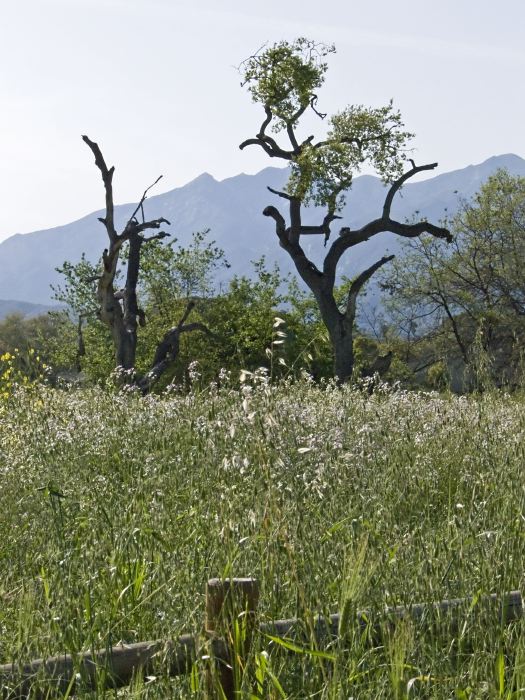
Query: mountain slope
pixel 232 209
pixel 9 307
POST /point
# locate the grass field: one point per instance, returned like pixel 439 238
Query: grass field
pixel 115 510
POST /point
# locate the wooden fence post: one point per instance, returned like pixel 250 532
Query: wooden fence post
pixel 231 605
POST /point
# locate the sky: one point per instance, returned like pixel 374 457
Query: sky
pixel 155 83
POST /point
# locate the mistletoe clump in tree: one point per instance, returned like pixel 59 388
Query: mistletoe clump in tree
pixel 285 79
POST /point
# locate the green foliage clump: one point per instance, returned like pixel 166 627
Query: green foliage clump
pixel 285 79
pixel 321 173
pixel 437 375
pixel 286 76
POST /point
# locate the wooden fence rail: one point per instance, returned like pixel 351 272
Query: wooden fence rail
pixel 226 601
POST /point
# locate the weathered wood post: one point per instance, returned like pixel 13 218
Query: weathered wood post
pixel 231 606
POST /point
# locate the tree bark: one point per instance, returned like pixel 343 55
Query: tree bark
pixel 342 338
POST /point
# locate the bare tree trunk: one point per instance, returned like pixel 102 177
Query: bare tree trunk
pixel 340 331
pixel 119 310
pixel 125 329
pixel 342 338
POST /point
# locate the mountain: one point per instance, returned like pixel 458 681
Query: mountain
pixel 10 307
pixel 232 209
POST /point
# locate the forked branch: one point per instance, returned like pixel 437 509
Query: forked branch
pixel 396 186
pixel 168 348
pixel 143 199
pixel 349 238
pixel 358 284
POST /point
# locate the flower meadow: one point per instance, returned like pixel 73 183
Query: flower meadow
pixel 115 510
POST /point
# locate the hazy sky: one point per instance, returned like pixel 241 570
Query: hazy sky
pixel 155 83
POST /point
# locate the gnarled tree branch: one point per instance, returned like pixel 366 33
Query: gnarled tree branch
pixel 168 348
pixel 107 178
pixel 349 238
pixel 395 187
pixel 305 267
pixel 359 282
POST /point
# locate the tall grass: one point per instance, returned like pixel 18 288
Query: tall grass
pixel 115 510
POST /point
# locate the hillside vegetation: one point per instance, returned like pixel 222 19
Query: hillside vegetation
pixel 119 508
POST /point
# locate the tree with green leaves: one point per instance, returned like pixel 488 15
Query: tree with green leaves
pixel 469 295
pixel 285 79
pixel 77 292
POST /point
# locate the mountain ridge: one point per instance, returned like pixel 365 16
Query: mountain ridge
pixel 232 209
pixel 25 309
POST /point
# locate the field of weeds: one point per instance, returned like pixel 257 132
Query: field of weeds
pixel 116 509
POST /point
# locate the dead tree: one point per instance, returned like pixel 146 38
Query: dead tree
pixel 118 309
